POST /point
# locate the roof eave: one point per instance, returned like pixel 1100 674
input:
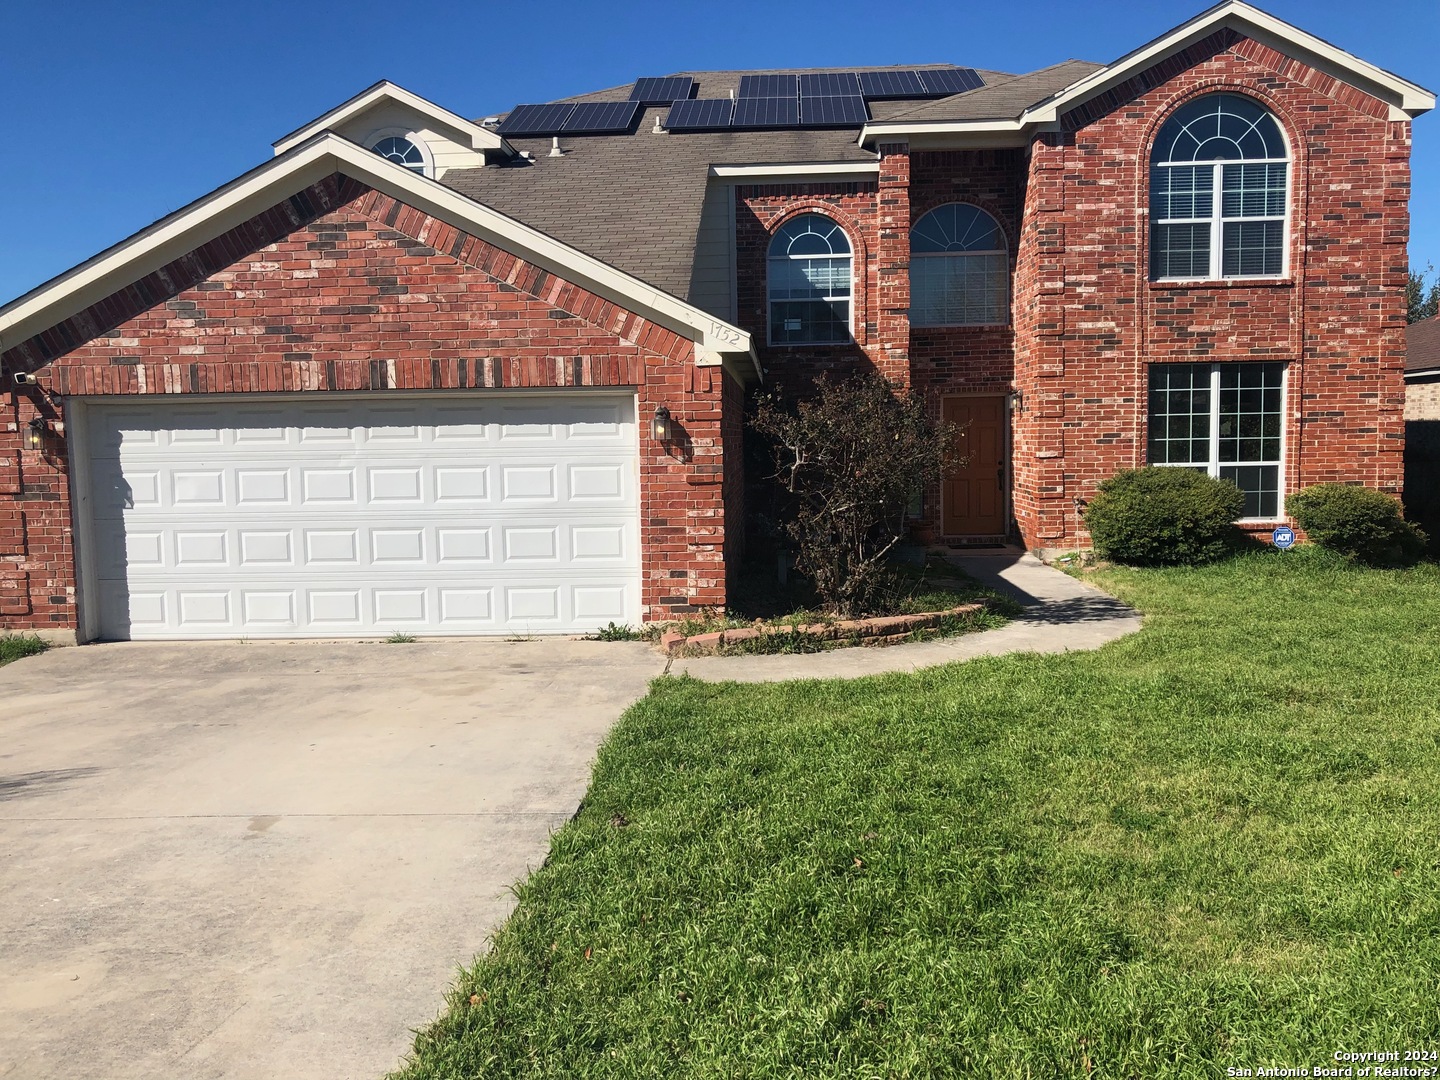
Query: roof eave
pixel 479 137
pixel 1406 99
pixel 323 155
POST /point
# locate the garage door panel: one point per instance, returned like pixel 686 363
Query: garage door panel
pixel 295 519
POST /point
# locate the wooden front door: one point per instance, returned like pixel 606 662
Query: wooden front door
pixel 972 501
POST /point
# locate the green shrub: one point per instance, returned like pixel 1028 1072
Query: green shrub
pixel 1365 524
pixel 1164 516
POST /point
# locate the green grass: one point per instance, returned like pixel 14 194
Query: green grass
pixel 399 637
pixel 18 646
pixel 1214 843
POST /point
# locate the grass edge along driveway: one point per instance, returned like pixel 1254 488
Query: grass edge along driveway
pixel 1212 844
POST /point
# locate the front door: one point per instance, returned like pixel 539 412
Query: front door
pixel 973 497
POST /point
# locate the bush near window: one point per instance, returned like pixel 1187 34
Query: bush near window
pixel 1365 524
pixel 1164 517
pixel 847 461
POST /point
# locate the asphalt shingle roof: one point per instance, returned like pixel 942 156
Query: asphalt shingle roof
pixel 634 200
pixel 1422 345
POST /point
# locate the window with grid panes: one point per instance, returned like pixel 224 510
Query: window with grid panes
pixel 1224 420
pixel 1219 180
pixel 959 268
pixel 809 282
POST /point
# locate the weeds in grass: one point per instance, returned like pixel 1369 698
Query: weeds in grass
pixel 400 638
pixel 622 632
pixel 18 646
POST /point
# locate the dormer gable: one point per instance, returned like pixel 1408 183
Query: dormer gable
pixel 408 129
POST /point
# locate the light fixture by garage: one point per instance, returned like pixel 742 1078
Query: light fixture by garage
pixel 661 429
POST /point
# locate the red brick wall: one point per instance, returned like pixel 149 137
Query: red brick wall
pixel 343 288
pixel 759 211
pixel 1088 320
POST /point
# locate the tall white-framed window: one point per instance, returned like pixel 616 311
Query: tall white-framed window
pixel 403 149
pixel 959 268
pixel 1227 420
pixel 1219 192
pixel 808 274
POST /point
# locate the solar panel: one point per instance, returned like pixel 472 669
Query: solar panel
pixel 950 80
pixel 763 112
pixel 877 85
pixel 769 86
pixel 830 84
pixel 535 120
pixel 833 111
pixel 602 116
pixel 700 114
pixel 662 91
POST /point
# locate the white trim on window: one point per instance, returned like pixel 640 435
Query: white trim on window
pixel 375 138
pixel 1217 219
pixel 1214 464
pixel 772 258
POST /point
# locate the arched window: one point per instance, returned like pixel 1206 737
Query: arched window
pixel 403 151
pixel 959 268
pixel 1219 192
pixel 809 282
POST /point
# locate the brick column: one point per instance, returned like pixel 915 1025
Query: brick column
pixel 1039 496
pixel 892 265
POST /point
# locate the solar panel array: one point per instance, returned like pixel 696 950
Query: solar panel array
pixel 804 100
pixel 663 91
pixel 535 120
pixel 602 117
pixel 700 114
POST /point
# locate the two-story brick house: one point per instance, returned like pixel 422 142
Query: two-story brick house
pixel 419 372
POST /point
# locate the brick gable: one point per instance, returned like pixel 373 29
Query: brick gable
pixel 369 294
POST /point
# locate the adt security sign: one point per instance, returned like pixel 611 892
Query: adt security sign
pixel 1283 538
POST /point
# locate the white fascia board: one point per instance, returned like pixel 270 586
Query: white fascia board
pixel 307 164
pixel 1403 96
pixel 879 129
pixel 827 169
pixel 479 138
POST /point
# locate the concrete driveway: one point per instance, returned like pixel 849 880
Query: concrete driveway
pixel 267 860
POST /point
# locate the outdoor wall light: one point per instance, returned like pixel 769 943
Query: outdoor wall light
pixel 36 435
pixel 660 426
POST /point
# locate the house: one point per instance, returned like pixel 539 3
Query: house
pixel 1422 426
pixel 1422 370
pixel 428 373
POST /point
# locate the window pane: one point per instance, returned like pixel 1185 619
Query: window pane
pixel 1181 251
pixel 1260 485
pixel 956 227
pixel 1253 191
pixel 1179 414
pixel 959 290
pixel 1181 191
pixel 1250 412
pixel 1253 248
pixel 812 322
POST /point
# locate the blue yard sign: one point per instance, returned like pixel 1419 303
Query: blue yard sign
pixel 1283 538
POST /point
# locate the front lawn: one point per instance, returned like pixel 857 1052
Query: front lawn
pixel 1214 843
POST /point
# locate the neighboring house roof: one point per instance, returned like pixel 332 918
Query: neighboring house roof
pixel 1422 347
pixel 324 155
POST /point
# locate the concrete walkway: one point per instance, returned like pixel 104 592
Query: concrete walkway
pixel 1062 614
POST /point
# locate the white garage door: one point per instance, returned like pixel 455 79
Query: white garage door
pixel 454 514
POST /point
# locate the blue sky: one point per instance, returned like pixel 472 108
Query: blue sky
pixel 121 113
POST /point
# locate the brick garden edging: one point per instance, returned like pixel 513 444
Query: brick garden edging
pixel 879 630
